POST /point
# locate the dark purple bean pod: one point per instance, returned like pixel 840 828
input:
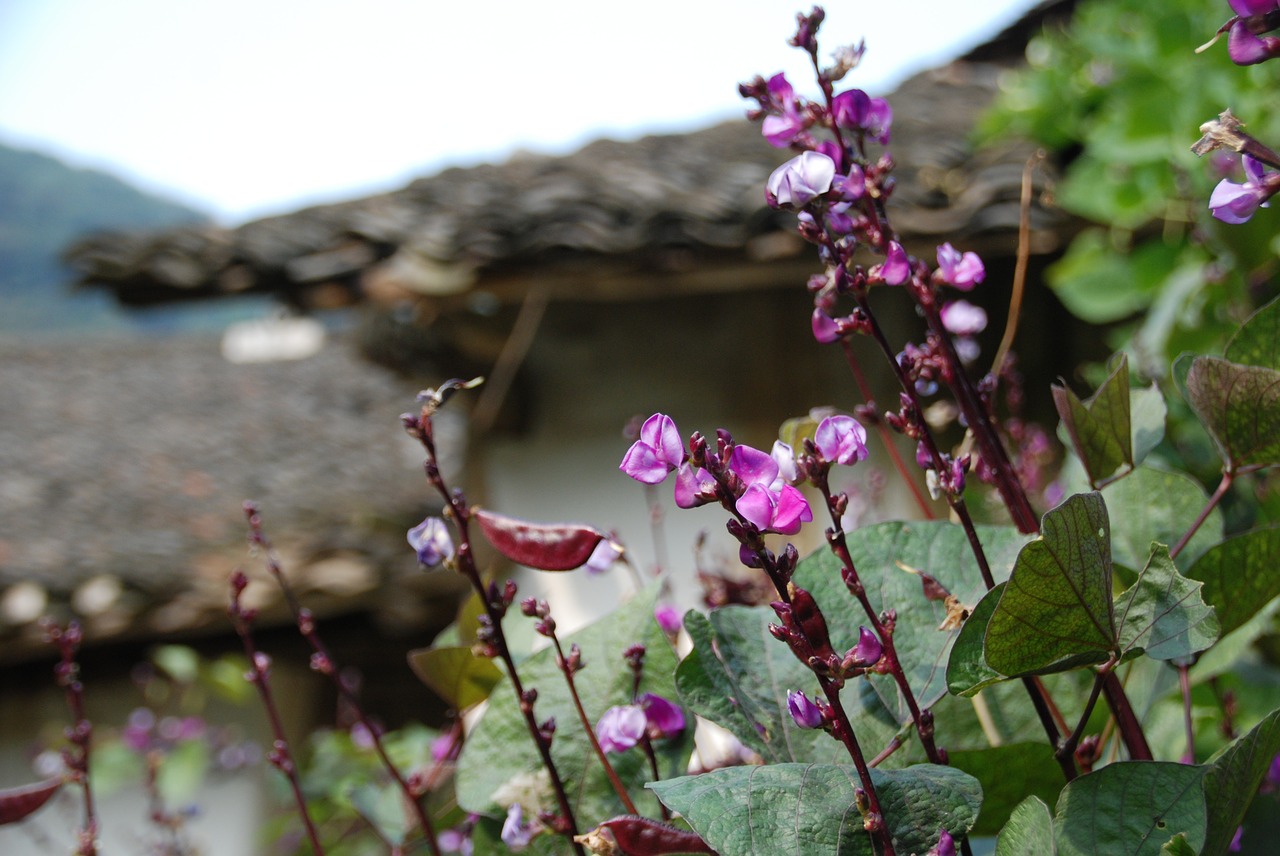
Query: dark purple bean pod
pixel 17 803
pixel 640 836
pixel 545 546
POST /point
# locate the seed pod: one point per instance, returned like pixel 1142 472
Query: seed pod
pixel 545 546
pixel 17 803
pixel 640 836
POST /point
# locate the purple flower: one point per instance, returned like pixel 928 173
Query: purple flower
pixel 857 111
pixel 805 713
pixel 960 271
pixel 825 329
pixel 1246 48
pixel 431 540
pixel 963 318
pixel 621 727
pixel 664 718
pixel 1235 203
pixel 694 487
pixel 896 268
pixel 443 746
pixel 517 834
pixel 781 130
pixel 658 451
pixel 841 440
pixel 800 180
pixel 668 618
pixel 1252 7
pixel 851 187
pixel 785 458
pixel 603 556
pixel 946 845
pixel 768 502
pixel 456 840
pixel 1237 844
pixel 868 650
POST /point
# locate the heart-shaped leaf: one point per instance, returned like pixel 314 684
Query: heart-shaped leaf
pixel 1232 778
pixel 1099 427
pixel 1157 505
pixel 1257 342
pixel 1029 830
pixel 500 755
pixel 457 674
pixel 967 669
pixel 1131 807
pixel 808 809
pixel 883 554
pixel 1239 575
pixel 1239 406
pixel 1056 612
pixel 1163 613
pixel 738 676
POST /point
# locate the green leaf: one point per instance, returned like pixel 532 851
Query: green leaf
pixel 1239 575
pixel 1029 830
pixel 1239 406
pixel 1147 412
pixel 1100 428
pixel 1156 505
pixel 738 675
pixel 1178 846
pixel 1231 780
pixel 457 675
pixel 1131 807
pixel 500 756
pixel 383 806
pixel 967 669
pixel 807 809
pixel 880 553
pixel 1056 612
pixel 1163 613
pixel 1009 775
pixel 1257 342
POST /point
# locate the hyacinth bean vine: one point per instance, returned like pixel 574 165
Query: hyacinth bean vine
pixel 1003 674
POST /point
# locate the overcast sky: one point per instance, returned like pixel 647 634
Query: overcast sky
pixel 250 107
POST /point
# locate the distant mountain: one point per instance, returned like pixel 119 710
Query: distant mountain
pixel 44 206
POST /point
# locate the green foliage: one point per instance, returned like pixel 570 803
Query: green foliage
pixel 1121 93
pixel 499 756
pixel 805 808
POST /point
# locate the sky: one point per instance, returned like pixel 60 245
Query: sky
pixel 244 108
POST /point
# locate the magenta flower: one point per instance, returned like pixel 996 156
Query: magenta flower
pixel 803 712
pixel 781 130
pixel 768 502
pixel 1245 8
pixel 621 727
pixel 960 271
pixel 841 440
pixel 896 268
pixel 603 556
pixel 859 112
pixel 963 318
pixel 431 540
pixel 1235 203
pixel 694 487
pixel 668 618
pixel 825 329
pixel 946 845
pixel 800 180
pixel 664 718
pixel 658 451
pixel 517 834
pixel 868 650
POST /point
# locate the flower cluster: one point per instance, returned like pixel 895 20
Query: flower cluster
pixel 759 486
pixel 624 726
